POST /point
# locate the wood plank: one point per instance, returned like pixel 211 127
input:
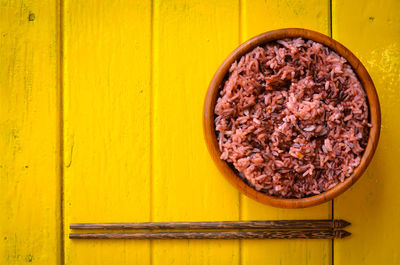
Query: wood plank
pixel 258 17
pixel 371 30
pixel 107 124
pixel 29 133
pixel 191 39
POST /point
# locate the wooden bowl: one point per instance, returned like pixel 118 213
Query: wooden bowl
pixel 213 92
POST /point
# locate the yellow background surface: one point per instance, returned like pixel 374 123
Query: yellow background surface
pixel 101 121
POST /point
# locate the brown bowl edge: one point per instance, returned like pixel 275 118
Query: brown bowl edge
pixel 374 109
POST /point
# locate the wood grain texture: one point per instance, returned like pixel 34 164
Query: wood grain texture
pixel 277 224
pixel 191 38
pixel 372 31
pixel 107 51
pixel 299 234
pixel 257 17
pixel 107 160
pixel 29 133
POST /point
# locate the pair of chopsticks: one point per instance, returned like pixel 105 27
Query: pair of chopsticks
pixel 280 229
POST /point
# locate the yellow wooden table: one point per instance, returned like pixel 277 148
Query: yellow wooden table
pixel 100 121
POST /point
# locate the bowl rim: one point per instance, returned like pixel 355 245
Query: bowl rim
pixel 212 95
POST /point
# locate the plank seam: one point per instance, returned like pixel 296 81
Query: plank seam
pixel 60 22
pixel 330 18
pixel 151 120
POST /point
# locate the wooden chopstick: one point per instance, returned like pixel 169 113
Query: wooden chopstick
pixel 302 234
pixel 279 224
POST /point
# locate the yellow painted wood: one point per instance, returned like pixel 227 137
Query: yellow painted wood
pixel 191 39
pixel 29 133
pixel 133 147
pixel 371 30
pixel 258 17
pixel 107 124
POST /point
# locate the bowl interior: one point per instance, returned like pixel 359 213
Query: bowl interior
pixel 212 95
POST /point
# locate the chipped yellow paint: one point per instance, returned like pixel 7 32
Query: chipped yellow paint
pixel 106 124
pixel 133 148
pixel 257 17
pixel 29 133
pixel 191 38
pixel 372 31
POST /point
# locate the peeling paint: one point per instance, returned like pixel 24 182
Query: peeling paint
pixel 31 17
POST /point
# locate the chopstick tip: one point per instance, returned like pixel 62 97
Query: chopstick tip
pixel 341 223
pixel 342 234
